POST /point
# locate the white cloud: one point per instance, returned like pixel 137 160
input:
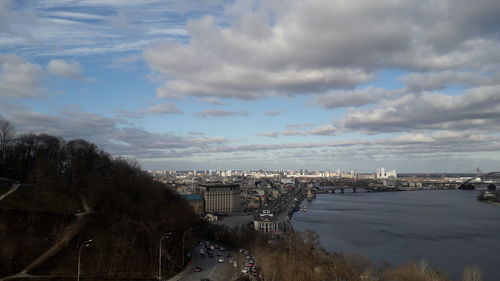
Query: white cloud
pixel 19 78
pixel 66 69
pixel 477 108
pixel 315 46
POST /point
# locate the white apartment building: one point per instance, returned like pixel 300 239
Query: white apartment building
pixel 382 174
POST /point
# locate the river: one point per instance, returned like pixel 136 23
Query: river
pixel 448 228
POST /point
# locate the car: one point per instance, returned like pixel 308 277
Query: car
pixel 197 269
pixel 221 260
pixel 229 256
pixel 240 251
pixel 219 254
pixel 246 253
pixel 244 270
pixel 221 249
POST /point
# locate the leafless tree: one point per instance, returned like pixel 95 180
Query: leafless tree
pixel 7 134
pixel 472 273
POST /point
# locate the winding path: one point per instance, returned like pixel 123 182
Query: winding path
pixel 69 233
pixel 12 189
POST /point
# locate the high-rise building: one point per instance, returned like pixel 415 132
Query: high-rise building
pixel 222 198
pixel 382 174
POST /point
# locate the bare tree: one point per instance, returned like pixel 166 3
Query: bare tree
pixel 7 133
pixel 472 273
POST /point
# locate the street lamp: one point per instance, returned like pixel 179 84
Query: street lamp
pixel 85 244
pixel 184 234
pixel 168 235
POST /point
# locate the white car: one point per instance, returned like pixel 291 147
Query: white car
pixel 221 260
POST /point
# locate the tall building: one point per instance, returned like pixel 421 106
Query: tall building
pixel 222 198
pixel 382 174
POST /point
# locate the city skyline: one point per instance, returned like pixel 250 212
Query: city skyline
pixel 178 85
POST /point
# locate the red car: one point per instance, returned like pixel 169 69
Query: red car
pixel 197 269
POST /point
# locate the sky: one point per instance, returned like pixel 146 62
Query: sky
pixel 260 84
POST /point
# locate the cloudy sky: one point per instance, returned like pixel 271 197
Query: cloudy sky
pixel 260 84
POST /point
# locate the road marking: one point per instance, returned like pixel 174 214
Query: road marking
pixel 213 269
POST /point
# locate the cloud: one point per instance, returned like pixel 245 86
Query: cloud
pixel 283 133
pixel 477 108
pixel 325 130
pixel 432 81
pixel 157 109
pixel 355 98
pixel 165 108
pixel 13 21
pixel 269 134
pixel 299 125
pixel 316 46
pixel 274 112
pixel 66 69
pixel 220 113
pixel 212 100
pixel 112 134
pixel 19 78
pixel 122 139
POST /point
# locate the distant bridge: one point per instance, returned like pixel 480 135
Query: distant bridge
pixel 483 176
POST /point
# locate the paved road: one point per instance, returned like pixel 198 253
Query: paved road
pixel 211 268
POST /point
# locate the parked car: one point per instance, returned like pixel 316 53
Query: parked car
pixel 197 269
pixel 221 249
pixel 221 260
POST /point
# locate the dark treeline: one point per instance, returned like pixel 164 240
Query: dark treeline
pixel 128 212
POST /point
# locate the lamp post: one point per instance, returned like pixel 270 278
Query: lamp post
pixel 85 244
pixel 168 235
pixel 183 235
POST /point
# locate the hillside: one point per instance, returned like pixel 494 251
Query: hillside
pixel 77 192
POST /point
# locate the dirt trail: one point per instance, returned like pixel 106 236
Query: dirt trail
pixel 69 233
pixel 10 191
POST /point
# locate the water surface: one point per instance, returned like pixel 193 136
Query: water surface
pixel 449 228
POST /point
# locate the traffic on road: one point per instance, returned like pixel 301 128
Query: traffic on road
pixel 213 262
